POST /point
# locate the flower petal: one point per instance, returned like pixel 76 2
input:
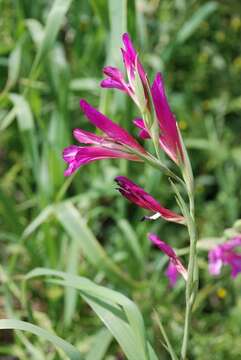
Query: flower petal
pixel 174 259
pixel 130 57
pixel 86 137
pixel 215 266
pixel 129 48
pixel 164 247
pixel 144 132
pixel 112 84
pixel 235 265
pixel 224 254
pixel 232 243
pixel 70 152
pixel 172 274
pixel 113 73
pixel 169 137
pixel 114 131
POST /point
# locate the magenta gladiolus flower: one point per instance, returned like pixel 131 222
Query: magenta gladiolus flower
pixel 116 143
pixel 115 78
pixel 225 254
pixel 175 266
pixel 170 138
pixel 138 196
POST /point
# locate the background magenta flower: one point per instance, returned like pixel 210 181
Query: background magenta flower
pixel 138 196
pixel 225 254
pixel 116 143
pixel 175 266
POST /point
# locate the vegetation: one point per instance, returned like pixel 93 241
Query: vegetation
pixel 74 254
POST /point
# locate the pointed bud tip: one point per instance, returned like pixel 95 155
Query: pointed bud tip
pixel 125 36
pixel 119 179
pixel 83 104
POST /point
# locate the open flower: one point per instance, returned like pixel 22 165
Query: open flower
pixel 225 254
pixel 170 138
pixel 175 266
pixel 115 143
pixel 138 196
pixel 115 78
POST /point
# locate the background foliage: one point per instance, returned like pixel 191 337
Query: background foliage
pixel 51 55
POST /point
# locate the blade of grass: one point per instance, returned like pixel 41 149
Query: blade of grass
pixel 107 297
pixel 14 62
pixel 132 240
pixel 27 128
pixel 69 349
pixel 100 345
pixel 36 30
pixel 24 114
pixel 76 227
pixel 165 337
pixel 54 21
pixel 191 25
pixel 118 25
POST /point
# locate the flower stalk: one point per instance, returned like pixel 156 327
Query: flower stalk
pixel 192 275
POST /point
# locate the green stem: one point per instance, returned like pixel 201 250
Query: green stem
pixel 191 287
pixel 168 344
pixel 156 163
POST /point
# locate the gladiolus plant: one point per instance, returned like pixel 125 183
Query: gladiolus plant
pixel 157 123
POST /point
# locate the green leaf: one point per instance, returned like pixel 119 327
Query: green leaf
pixel 72 268
pixel 118 327
pixel 193 23
pixel 168 344
pixel 27 128
pixel 77 228
pixel 14 62
pixel 23 112
pixel 53 24
pixel 132 240
pixel 69 349
pixel 118 25
pixel 8 119
pixel 88 84
pixel 40 219
pixel 36 30
pixel 100 345
pixel 119 313
pixel 141 21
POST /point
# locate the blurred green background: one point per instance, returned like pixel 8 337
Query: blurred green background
pixel 50 57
